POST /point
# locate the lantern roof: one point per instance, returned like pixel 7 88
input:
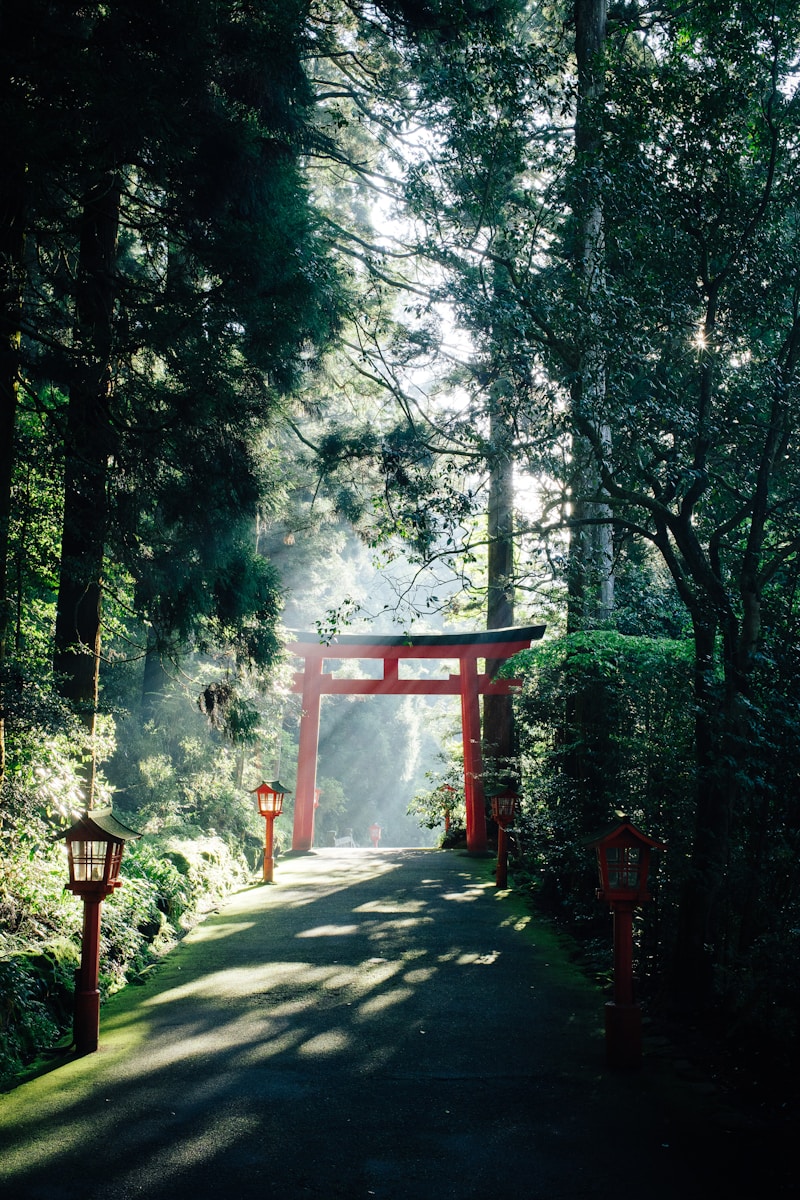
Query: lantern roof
pixel 624 832
pixel 274 785
pixel 501 789
pixel 102 822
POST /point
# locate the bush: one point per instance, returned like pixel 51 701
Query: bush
pixel 27 1020
pixel 605 725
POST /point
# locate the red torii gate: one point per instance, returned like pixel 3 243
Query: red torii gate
pixel 313 683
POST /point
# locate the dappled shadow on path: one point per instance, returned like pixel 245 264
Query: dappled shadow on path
pixel 373 1025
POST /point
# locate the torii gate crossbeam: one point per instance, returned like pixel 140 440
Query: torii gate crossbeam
pixel 313 683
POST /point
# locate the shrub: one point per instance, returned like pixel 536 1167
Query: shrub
pixel 605 726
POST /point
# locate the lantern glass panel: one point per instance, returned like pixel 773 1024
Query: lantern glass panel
pixel 624 868
pixel 503 808
pixel 89 861
pixel 270 803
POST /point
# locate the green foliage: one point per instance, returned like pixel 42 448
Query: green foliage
pixel 441 807
pixel 40 926
pixel 762 994
pixel 634 751
pixel 205 320
pixel 36 508
pixel 33 1009
pixel 230 712
pixel 175 773
pixel 152 859
pixel 34 908
pixel 643 768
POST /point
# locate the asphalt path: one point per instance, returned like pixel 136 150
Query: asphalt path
pixel 375 1024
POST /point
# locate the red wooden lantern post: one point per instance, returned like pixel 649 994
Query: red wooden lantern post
pixel 375 833
pixel 448 804
pixel 623 860
pixel 317 794
pixel 270 805
pixel 504 806
pixel 94 850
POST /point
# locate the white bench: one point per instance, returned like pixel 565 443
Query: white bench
pixel 347 840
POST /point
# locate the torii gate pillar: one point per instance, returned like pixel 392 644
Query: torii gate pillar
pixel 303 833
pixel 313 683
pixel 474 801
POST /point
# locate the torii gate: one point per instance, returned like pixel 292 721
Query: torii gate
pixel 312 682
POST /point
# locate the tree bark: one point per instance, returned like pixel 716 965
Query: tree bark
pixel 498 713
pixel 698 925
pixel 590 579
pixel 587 747
pixel 76 658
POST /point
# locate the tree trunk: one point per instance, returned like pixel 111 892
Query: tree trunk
pixel 699 918
pixel 590 578
pixel 498 714
pixel 76 659
pixel 587 746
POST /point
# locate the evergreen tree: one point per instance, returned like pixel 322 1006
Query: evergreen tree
pixel 164 303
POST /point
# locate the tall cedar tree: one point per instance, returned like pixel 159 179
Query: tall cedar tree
pixel 179 131
pixel 34 38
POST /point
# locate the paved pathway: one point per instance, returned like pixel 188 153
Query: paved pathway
pixel 377 1024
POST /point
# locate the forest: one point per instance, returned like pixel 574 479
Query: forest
pixel 411 314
